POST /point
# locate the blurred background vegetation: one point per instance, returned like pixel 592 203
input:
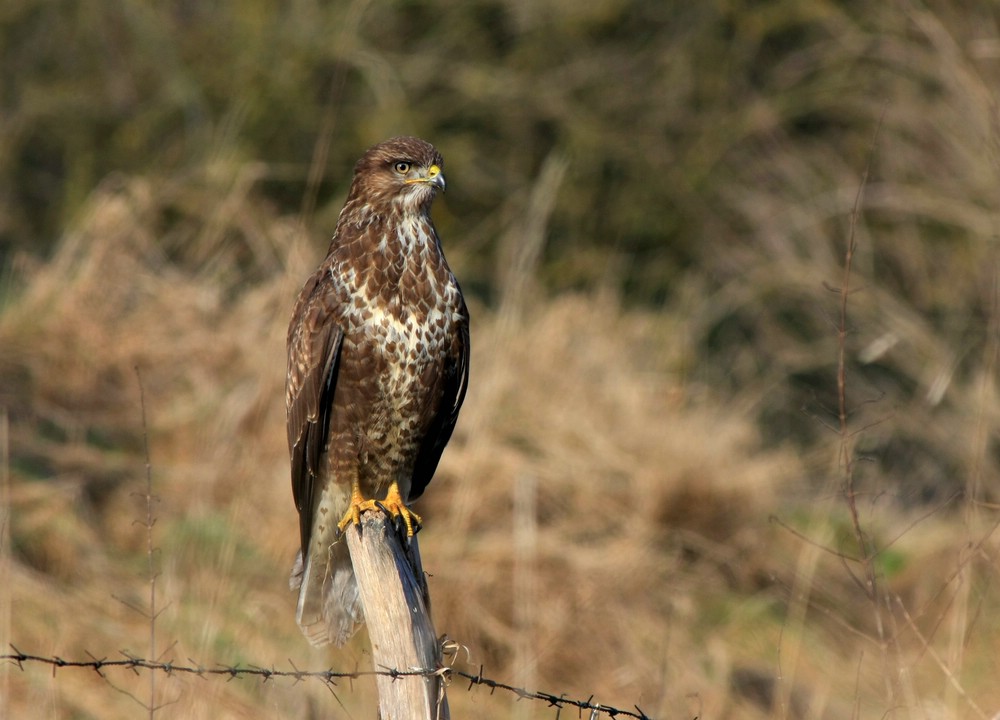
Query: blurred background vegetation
pixel 652 197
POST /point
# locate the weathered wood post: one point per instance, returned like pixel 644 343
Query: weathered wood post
pixel 397 614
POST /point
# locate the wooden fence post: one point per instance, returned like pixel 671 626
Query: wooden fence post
pixel 397 614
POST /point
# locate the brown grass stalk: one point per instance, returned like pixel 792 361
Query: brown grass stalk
pixel 6 575
pixel 148 522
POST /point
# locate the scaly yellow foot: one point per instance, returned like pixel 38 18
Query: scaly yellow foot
pixel 393 504
pixel 358 505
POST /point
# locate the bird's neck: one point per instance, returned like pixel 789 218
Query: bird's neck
pixel 388 251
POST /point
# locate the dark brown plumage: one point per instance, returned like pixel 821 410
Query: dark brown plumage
pixel 378 362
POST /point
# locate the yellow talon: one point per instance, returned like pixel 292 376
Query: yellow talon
pixel 354 510
pixel 397 508
pixel 393 504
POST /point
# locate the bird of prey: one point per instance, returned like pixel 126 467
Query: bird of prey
pixel 378 364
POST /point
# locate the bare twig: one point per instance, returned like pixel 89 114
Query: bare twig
pixel 846 435
pixel 150 521
pixel 869 581
pixel 809 541
pixel 151 612
pixel 6 581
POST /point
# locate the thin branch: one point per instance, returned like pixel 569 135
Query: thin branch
pixel 809 541
pixel 150 521
pixel 846 454
pixel 6 577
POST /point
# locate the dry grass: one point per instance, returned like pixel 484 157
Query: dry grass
pixel 600 524
pixel 596 429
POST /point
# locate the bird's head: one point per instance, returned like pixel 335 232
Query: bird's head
pixel 404 172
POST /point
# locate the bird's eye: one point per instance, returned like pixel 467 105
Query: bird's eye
pixel 402 167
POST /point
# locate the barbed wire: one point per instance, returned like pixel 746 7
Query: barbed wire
pixel 330 677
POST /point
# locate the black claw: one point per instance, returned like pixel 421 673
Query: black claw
pixel 393 518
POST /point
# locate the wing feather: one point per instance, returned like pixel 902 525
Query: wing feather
pixel 314 342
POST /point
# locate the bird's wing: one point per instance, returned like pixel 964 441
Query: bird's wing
pixel 314 342
pixel 454 382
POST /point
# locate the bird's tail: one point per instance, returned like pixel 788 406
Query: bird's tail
pixel 329 607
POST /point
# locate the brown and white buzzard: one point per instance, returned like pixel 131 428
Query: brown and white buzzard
pixel 378 362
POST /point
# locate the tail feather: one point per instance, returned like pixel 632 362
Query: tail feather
pixel 329 607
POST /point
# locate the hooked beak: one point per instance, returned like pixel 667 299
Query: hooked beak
pixel 433 177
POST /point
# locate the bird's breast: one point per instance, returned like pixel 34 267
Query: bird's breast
pixel 406 319
pixel 397 341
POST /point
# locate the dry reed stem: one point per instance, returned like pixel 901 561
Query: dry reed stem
pixel 148 523
pixel 953 681
pixel 6 575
